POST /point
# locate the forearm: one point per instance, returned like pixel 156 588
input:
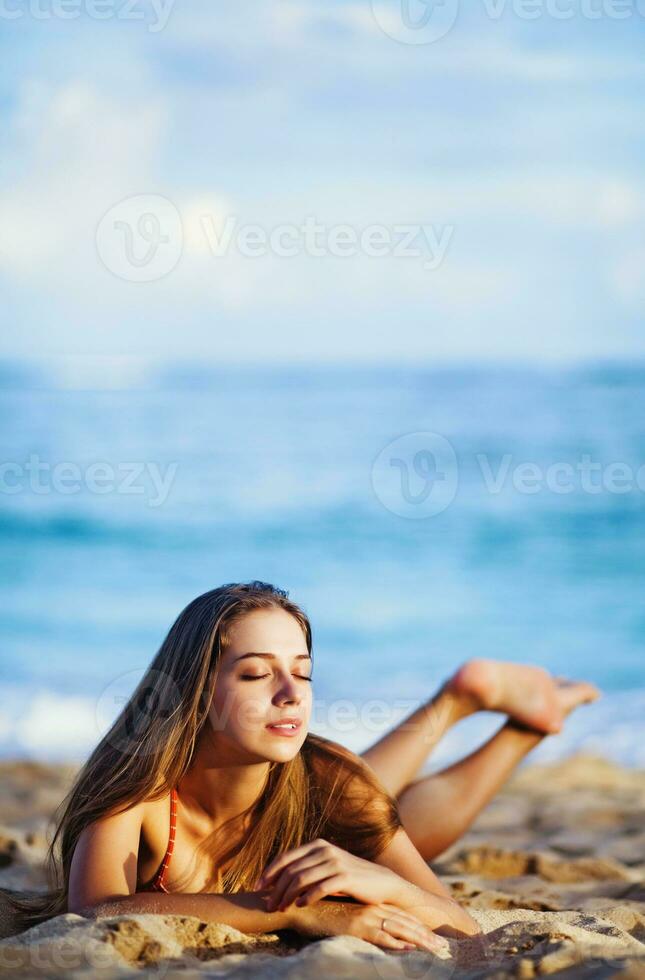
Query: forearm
pixel 242 910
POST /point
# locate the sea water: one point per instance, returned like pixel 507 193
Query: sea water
pixel 422 516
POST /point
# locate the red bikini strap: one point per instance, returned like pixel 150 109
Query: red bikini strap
pixel 171 837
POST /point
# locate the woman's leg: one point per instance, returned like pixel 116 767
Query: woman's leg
pixel 521 691
pixel 397 756
pixel 437 809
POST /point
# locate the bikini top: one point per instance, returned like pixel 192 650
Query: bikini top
pixel 157 883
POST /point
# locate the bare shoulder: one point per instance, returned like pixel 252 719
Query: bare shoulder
pixel 105 857
pixel 109 854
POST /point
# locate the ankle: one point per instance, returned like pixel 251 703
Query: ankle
pixel 451 704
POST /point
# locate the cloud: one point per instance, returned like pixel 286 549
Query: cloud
pixel 627 277
pixel 278 112
pixel 79 146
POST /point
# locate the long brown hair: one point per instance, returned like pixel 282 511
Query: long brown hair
pixel 324 791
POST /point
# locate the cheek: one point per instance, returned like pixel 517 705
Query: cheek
pixel 238 708
pixel 308 703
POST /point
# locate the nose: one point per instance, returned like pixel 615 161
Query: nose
pixel 288 691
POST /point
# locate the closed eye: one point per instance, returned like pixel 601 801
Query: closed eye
pixel 258 677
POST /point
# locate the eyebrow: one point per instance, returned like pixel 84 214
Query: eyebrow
pixel 271 656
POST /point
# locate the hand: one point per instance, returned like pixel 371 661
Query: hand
pixel 383 925
pixel 308 873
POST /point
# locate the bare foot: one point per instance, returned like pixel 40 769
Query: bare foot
pixel 526 693
pixel 571 694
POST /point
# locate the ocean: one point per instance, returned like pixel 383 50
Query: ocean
pixel 422 516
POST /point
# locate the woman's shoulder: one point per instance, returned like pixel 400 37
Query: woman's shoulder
pixel 155 819
pixel 148 809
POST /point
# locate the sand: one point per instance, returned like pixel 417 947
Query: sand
pixel 553 870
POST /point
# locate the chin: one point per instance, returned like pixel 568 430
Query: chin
pixel 283 751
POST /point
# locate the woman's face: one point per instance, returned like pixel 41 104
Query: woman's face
pixel 263 680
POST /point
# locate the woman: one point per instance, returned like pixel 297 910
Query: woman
pixel 208 797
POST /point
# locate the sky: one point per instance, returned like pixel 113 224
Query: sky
pixel 321 181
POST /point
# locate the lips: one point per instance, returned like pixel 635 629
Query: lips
pixel 285 726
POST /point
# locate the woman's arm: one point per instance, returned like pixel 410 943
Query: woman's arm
pixel 245 911
pixel 399 877
pixel 103 881
pixel 419 891
pixel 103 878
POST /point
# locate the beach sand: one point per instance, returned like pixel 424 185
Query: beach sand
pixel 553 870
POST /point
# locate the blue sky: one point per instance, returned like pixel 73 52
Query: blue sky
pixel 520 140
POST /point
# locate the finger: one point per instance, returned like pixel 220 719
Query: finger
pixel 385 941
pixel 289 879
pixel 411 921
pixel 317 892
pixel 388 911
pixel 294 888
pixel 280 862
pixel 281 882
pixel 386 938
pixel 400 930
